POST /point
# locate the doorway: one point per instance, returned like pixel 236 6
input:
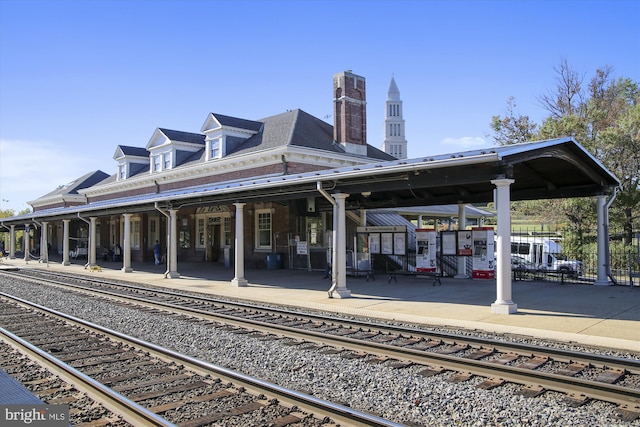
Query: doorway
pixel 213 237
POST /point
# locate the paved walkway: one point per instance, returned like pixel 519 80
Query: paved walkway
pixel 598 315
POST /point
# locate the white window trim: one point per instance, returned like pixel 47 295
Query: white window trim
pixel 205 218
pixel 257 245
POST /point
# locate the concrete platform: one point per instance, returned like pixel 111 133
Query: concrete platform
pixel 606 316
pixel 14 393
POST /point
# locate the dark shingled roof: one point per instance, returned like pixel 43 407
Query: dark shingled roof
pixel 176 135
pixel 298 128
pixel 237 122
pixel 134 151
pixel 85 181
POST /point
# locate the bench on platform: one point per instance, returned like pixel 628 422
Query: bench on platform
pixel 394 273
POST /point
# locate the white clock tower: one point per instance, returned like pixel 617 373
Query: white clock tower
pixel 394 140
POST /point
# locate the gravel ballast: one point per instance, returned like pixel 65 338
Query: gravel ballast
pixel 400 395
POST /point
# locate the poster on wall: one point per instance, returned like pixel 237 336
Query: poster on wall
pixel 483 253
pixel 449 243
pixel 426 250
pixel 399 243
pixel 374 243
pixel 464 243
pixel 386 243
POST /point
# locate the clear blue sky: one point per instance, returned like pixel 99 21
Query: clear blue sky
pixel 77 78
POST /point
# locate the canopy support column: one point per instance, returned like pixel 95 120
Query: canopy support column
pixel 92 241
pixel 339 264
pixel 462 224
pixel 238 279
pixel 25 243
pixel 44 242
pixel 503 303
pixel 602 279
pixel 12 242
pixel 173 245
pixel 65 242
pixel 126 244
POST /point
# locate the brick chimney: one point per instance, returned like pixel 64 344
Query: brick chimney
pixel 350 112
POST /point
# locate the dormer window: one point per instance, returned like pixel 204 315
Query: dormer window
pixel 131 161
pixel 224 134
pixel 215 148
pixel 171 148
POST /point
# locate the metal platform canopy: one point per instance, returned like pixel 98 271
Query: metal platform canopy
pixel 557 168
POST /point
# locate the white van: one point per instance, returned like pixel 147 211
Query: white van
pixel 545 254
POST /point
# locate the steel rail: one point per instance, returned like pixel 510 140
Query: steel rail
pixel 115 402
pixel 560 355
pixel 564 384
pixel 340 413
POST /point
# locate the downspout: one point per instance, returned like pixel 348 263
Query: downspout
pixel 155 205
pixel 607 248
pixel 324 193
pixel 333 270
pixel 89 243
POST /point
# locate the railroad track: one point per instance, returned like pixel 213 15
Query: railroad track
pixel 153 386
pixel 580 376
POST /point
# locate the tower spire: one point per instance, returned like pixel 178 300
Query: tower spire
pixel 394 139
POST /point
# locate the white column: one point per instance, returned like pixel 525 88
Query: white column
pixel 503 303
pixel 462 224
pixel 44 242
pixel 12 242
pixel 126 244
pixel 25 243
pixel 92 242
pixel 339 266
pixel 173 244
pixel 602 279
pixel 65 241
pixel 334 250
pixel 239 279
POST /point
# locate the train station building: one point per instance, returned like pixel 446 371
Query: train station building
pixel 292 190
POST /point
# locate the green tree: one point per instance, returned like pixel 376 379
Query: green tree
pixel 604 116
pixel 512 128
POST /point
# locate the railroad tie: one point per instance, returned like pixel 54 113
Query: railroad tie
pixel 209 419
pixel 431 371
pixel 611 376
pixel 197 399
pixel 535 362
pixel 629 413
pixel 572 369
pixel 531 391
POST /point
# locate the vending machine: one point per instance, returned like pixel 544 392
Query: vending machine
pixel 483 247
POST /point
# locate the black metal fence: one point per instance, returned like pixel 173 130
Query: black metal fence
pixel 550 256
pixel 582 246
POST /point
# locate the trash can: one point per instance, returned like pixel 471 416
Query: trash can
pixel 228 257
pixel 274 261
